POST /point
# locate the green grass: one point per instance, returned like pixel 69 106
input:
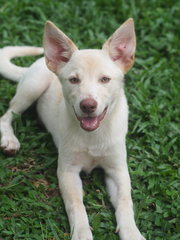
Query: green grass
pixel 31 207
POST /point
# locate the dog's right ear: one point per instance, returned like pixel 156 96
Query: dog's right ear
pixel 58 48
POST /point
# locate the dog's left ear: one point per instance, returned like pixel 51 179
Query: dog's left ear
pixel 121 45
pixel 58 48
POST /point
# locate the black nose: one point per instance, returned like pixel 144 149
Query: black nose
pixel 88 105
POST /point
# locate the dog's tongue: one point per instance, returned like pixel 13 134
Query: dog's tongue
pixel 90 123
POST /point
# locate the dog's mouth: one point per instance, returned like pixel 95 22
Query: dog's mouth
pixel 91 123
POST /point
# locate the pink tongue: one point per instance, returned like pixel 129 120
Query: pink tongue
pixel 89 123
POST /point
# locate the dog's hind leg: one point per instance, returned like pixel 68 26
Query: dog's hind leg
pixel 34 83
pixel 9 142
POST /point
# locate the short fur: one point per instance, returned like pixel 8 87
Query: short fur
pixel 82 103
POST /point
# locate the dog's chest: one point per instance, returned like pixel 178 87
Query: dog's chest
pixel 94 148
pixel 92 156
pixel 87 161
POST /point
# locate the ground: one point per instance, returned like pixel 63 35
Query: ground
pixel 31 207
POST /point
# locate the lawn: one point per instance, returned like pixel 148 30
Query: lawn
pixel 31 207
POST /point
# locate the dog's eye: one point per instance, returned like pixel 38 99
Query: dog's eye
pixel 105 79
pixel 74 80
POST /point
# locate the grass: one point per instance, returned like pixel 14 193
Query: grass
pixel 31 207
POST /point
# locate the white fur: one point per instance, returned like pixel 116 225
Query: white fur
pixel 59 108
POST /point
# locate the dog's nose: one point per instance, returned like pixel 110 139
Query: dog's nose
pixel 88 105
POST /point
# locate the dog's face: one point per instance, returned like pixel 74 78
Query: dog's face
pixel 91 79
pixel 91 83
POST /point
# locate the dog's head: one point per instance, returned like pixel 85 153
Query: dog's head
pixel 91 79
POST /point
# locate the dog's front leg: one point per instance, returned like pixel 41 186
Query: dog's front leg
pixel 71 188
pixel 119 188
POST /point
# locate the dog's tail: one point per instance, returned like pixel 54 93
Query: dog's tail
pixel 10 70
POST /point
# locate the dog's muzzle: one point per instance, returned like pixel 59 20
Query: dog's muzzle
pixel 89 121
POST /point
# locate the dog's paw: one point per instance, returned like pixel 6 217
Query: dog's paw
pixel 130 233
pixel 10 145
pixel 131 236
pixel 82 234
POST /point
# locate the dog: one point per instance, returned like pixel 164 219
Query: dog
pixel 81 101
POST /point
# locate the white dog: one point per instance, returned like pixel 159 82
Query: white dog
pixel 82 103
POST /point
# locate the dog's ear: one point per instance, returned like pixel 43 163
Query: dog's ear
pixel 122 44
pixel 58 48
